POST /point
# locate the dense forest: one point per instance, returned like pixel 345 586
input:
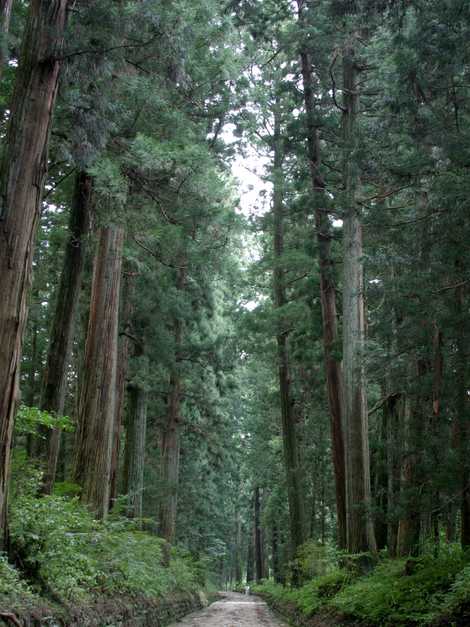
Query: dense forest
pixel 235 309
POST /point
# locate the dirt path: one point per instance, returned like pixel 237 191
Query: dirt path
pixel 233 610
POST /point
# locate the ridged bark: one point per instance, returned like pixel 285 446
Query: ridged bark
pixel 289 436
pixel 22 175
pixel 137 426
pixel 360 532
pixel 63 325
pixel 98 393
pixel 327 296
pixel 123 365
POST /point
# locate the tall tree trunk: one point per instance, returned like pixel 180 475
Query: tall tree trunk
pixel 171 461
pixel 327 295
pixel 289 436
pixel 123 364
pixel 98 393
pixel 392 409
pixel 63 326
pixel 22 174
pixel 238 549
pixel 250 558
pixel 171 436
pixel 462 422
pixel 409 527
pixel 360 528
pixel 276 562
pixel 258 536
pixel 137 426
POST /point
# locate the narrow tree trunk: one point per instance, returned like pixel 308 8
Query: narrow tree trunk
pixel 276 561
pixel 360 528
pixel 63 326
pixel 238 549
pixel 171 436
pixel 409 528
pixel 393 422
pixel 137 425
pixel 327 296
pixel 462 422
pixel 258 539
pixel 171 462
pixel 291 454
pixel 98 394
pixel 22 174
pixel 250 559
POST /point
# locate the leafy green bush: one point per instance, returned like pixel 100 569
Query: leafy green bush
pixel 10 583
pixel 311 597
pixel 389 596
pixel 72 555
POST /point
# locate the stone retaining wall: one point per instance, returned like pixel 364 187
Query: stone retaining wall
pixel 124 611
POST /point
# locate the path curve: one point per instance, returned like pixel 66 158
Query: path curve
pixel 233 610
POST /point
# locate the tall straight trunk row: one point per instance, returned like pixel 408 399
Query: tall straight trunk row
pixel 98 394
pixel 289 436
pixel 22 174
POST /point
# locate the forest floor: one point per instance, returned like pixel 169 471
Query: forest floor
pixel 233 610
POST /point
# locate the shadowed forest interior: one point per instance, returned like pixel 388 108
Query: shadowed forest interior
pixel 234 309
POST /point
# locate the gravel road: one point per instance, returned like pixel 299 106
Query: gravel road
pixel 233 610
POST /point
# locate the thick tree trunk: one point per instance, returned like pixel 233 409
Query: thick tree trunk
pixel 137 426
pixel 22 175
pixel 289 436
pixel 98 393
pixel 63 326
pixel 123 364
pixel 327 297
pixel 359 527
pixel 259 560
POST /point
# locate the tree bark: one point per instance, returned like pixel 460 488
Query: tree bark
pixel 137 426
pixel 359 524
pixel 22 174
pixel 63 326
pixel 461 428
pixel 276 560
pixel 171 437
pixel 123 365
pixel 258 538
pixel 289 436
pixel 250 559
pixel 98 393
pixel 327 296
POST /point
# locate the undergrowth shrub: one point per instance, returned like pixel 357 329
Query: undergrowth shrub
pixel 389 596
pixel 11 586
pixel 67 552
